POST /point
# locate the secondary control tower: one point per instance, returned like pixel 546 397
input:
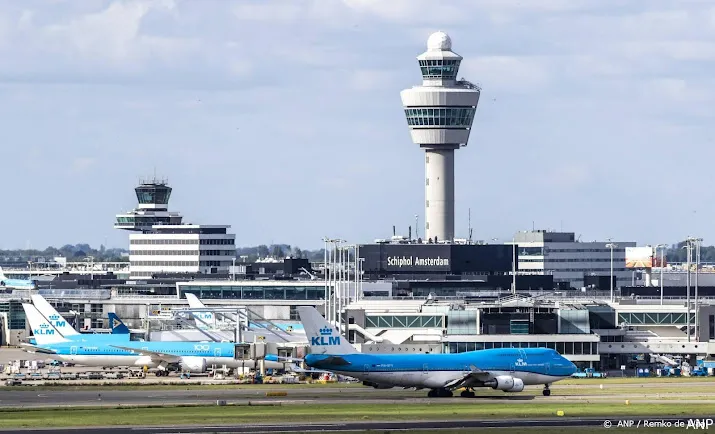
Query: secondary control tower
pixel 440 114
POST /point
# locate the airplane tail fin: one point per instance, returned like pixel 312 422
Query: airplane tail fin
pixel 42 330
pixel 56 320
pixel 322 337
pixel 2 275
pixel 116 324
pixel 204 320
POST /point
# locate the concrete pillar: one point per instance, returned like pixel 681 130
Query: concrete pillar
pixel 439 194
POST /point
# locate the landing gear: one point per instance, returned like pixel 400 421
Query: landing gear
pixel 439 393
pixel 467 394
pixel 547 391
pixel 161 373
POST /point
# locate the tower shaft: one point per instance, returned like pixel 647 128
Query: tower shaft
pixel 439 114
pixel 439 194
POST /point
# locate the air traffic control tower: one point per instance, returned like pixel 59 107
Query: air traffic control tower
pixel 440 114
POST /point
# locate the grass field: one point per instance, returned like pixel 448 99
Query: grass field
pixel 186 415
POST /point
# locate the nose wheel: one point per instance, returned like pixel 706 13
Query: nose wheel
pixel 547 391
pixel 467 394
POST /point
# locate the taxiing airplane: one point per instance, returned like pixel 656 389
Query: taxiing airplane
pixel 507 369
pixel 5 282
pixel 166 356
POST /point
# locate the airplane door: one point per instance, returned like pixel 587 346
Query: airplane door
pixel 425 369
pixel 217 352
pixel 73 351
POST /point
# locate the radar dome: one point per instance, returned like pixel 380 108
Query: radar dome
pixel 439 41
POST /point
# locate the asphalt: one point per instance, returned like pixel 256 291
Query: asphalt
pixel 429 426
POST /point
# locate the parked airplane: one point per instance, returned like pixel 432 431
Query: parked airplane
pixel 166 356
pixel 120 332
pixel 15 283
pixel 507 369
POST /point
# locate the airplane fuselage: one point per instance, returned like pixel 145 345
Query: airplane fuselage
pixel 433 371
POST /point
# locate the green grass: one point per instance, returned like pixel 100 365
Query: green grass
pixel 187 415
pixel 151 384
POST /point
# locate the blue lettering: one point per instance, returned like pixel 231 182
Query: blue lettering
pixel 44 332
pixel 321 341
pixel 60 323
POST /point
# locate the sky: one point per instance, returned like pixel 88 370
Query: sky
pixel 284 120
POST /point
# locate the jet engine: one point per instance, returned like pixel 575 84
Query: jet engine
pixel 517 387
pixel 377 386
pixel 506 383
pixel 193 364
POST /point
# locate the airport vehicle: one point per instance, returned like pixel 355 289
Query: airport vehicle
pixel 166 356
pixel 507 369
pixel 5 282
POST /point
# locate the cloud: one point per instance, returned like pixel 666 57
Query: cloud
pixel 82 164
pixel 507 73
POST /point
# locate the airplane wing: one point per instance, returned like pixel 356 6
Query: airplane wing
pixel 476 375
pixel 158 356
pixel 35 349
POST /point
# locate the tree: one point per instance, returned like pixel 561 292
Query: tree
pixel 263 251
pixel 277 252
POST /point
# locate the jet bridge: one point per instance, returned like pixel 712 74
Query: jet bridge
pixel 234 323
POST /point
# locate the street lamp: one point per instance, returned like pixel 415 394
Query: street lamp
pixel 611 246
pixel 662 261
pixel 233 270
pixel 696 242
pixel 513 266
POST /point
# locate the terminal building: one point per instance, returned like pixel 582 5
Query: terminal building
pixel 162 243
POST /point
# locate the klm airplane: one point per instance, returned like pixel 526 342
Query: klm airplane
pixel 120 332
pixel 165 356
pixel 15 283
pixel 507 369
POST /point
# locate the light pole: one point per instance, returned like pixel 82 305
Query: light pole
pixel 417 227
pixel 611 246
pixel 697 242
pixel 513 266
pixel 233 270
pixel 662 261
pixel 688 250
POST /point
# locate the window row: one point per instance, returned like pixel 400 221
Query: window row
pixel 222 241
pixel 572 348
pixel 439 69
pixel 183 252
pixel 255 293
pixel 457 117
pixel 164 264
pixel 404 321
pixel 649 318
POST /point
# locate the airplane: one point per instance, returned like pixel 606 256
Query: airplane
pixel 16 283
pixel 507 369
pixel 193 357
pixel 119 333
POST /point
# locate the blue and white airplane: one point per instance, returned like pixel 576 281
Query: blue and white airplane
pixel 166 356
pixel 507 369
pixel 5 282
pixel 120 332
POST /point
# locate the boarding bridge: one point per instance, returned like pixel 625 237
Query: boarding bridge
pixel 671 347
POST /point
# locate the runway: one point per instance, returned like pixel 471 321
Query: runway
pixel 429 426
pixel 28 398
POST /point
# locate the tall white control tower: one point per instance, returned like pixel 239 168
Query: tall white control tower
pixel 440 114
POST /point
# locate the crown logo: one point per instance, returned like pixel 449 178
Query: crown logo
pixel 44 326
pixel 54 317
pixel 326 331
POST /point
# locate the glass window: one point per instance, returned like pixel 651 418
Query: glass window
pixel 560 347
pixel 453 117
